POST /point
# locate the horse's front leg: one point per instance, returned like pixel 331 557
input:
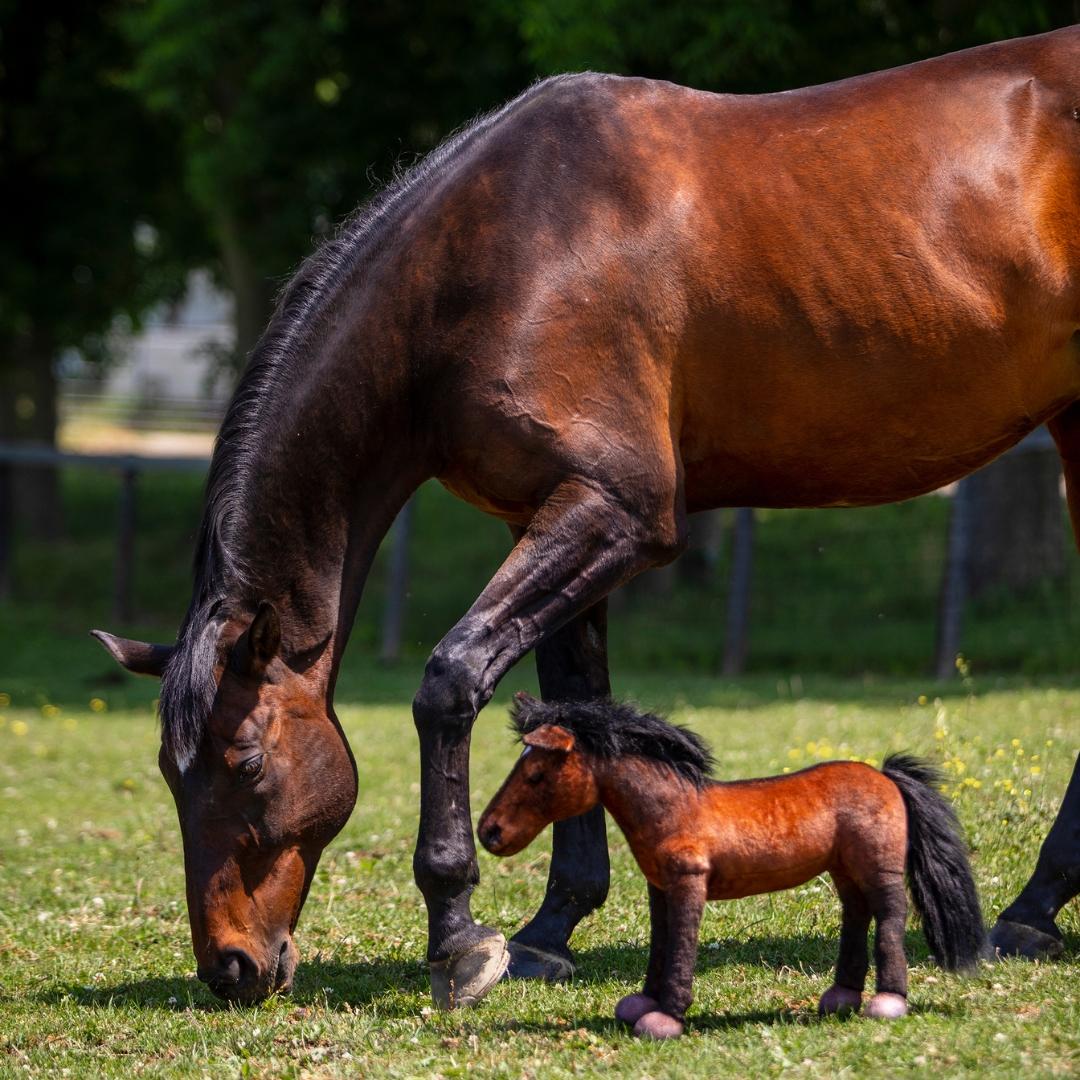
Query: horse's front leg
pixel 1027 927
pixel 571 664
pixel 579 546
pixel 686 897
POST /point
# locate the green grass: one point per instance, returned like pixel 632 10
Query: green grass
pixel 96 973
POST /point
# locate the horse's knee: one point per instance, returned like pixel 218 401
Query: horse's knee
pixel 445 865
pixel 448 694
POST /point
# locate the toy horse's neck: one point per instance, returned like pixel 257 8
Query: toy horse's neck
pixel 641 795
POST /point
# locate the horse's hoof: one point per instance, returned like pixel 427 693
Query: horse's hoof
pixel 465 978
pixel 658 1025
pixel 839 1000
pixel 633 1007
pixel 1016 939
pixel 886 1007
pixel 529 962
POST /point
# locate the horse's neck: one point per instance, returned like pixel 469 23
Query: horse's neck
pixel 330 467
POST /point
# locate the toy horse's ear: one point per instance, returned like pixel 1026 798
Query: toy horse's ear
pixel 550 737
pixel 139 657
pixel 262 642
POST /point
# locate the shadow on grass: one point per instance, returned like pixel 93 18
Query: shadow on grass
pixel 336 985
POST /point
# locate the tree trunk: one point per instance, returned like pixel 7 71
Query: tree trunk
pixel 253 292
pixel 29 413
pixel 1018 522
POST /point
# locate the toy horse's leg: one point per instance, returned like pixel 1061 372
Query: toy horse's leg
pixel 685 903
pixel 571 664
pixel 580 545
pixel 845 994
pixel 888 903
pixel 1026 927
pixel 634 1006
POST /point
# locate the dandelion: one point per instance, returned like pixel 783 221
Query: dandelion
pixel 97 705
pixel 70 723
pixel 1015 742
pixel 19 727
pixel 922 699
pixel 1035 770
pixel 5 700
pixel 50 710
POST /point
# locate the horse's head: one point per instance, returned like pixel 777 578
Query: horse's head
pixel 262 782
pixel 552 780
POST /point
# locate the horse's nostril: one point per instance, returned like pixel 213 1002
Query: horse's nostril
pixel 234 969
pixel 491 835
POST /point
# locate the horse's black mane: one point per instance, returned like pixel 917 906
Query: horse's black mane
pixel 613 729
pixel 221 576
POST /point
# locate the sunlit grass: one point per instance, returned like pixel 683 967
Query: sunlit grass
pixel 96 974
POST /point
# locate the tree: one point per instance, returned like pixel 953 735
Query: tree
pixel 292 112
pixel 84 176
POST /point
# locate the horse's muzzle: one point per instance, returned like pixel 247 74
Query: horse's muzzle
pixel 237 978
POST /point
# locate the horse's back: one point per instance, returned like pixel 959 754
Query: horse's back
pixel 846 294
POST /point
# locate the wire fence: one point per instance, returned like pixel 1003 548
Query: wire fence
pixel 837 577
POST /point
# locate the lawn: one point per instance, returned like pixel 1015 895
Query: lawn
pixel 96 973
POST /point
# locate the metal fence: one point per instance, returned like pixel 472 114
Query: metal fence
pixel 952 592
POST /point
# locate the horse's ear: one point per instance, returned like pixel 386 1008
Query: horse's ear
pixel 550 737
pixel 263 639
pixel 139 657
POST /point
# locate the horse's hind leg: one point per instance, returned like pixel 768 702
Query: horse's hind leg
pixel 571 664
pixel 580 545
pixel 888 904
pixel 845 994
pixel 1027 927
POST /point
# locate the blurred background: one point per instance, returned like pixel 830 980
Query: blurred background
pixel 166 164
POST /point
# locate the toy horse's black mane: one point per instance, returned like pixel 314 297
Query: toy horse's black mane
pixel 613 729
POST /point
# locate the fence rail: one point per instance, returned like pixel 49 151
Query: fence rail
pixel 953 592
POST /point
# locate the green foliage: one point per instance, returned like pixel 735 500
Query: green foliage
pixel 86 182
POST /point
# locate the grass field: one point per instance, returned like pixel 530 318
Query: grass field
pixel 96 973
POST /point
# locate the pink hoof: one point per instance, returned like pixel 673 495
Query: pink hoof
pixel 658 1025
pixel 840 1000
pixel 633 1007
pixel 886 1007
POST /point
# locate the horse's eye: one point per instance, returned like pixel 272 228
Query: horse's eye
pixel 250 769
pixel 534 778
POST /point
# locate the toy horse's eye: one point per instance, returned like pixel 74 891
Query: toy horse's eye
pixel 250 769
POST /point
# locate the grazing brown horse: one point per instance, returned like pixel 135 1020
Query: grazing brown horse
pixel 696 839
pixel 606 305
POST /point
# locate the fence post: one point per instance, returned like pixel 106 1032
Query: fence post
pixel 125 546
pixel 738 605
pixel 397 584
pixel 954 582
pixel 7 530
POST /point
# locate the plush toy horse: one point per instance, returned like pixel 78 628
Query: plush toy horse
pixel 698 839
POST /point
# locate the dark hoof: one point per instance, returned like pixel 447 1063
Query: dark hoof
pixel 528 962
pixel 633 1007
pixel 839 1001
pixel 465 978
pixel 1017 939
pixel 658 1025
pixel 886 1007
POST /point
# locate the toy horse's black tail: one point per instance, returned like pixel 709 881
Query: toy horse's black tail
pixel 937 864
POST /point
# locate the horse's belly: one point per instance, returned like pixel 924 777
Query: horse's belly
pixel 837 432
